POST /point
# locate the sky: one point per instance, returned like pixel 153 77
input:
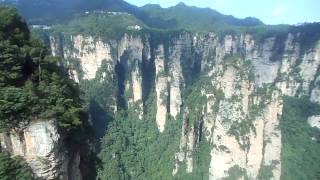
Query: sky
pixel 268 11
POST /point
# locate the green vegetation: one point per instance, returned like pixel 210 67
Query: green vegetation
pixel 300 152
pixel 181 16
pixel 57 11
pixel 240 130
pixel 102 88
pixel 194 101
pixel 201 158
pixel 134 149
pixel 309 35
pixel 14 168
pixel 99 94
pixel 203 20
pixel 236 172
pixel 33 86
pixel 265 172
pixel 192 18
pixel 107 26
pixel 233 60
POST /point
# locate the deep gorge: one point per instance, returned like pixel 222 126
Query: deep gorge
pixel 115 101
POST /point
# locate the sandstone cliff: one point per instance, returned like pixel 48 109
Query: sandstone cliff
pixel 242 81
pixel 42 146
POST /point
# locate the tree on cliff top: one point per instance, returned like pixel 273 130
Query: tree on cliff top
pixel 32 85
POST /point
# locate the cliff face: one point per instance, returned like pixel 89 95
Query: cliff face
pixel 42 147
pixel 241 82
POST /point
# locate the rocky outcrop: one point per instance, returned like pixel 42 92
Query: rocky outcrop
pixel 245 83
pixel 85 55
pixel 188 142
pixel 272 138
pixel 315 93
pixel 314 121
pixel 42 147
pixel 175 72
pixel 161 86
pixel 89 52
pixel 251 75
pixel 131 50
pixel 137 90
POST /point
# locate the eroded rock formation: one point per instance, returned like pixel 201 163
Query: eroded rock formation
pixel 245 82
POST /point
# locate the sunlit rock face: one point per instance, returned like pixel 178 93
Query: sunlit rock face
pixel 180 49
pixel 260 147
pixel 314 121
pixel 41 145
pixel 161 85
pixel 90 53
pixel 246 81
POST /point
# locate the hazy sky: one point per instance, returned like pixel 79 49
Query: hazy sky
pixel 269 11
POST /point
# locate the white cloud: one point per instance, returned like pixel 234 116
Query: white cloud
pixel 279 10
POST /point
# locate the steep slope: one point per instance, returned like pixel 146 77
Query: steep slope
pixel 42 118
pixel 231 101
pixel 195 106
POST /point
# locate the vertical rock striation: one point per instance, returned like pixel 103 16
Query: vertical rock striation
pixel 161 86
pixel 245 81
pixel 42 147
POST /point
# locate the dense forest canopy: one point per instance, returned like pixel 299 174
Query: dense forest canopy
pixel 34 86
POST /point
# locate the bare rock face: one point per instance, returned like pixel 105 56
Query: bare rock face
pixel 135 49
pixel 137 85
pixel 161 86
pixel 308 66
pixel 176 77
pixel 188 142
pixel 272 137
pixel 55 46
pixel 315 93
pixel 90 53
pixel 255 152
pixel 137 90
pixel 314 121
pixel 265 70
pixel 41 145
pixel 246 82
pixel 260 147
pixel 228 82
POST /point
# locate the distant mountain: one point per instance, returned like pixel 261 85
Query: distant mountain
pixel 57 11
pixel 180 16
pixel 193 18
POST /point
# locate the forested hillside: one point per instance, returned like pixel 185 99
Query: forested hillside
pixel 29 77
pixel 33 88
pixel 171 93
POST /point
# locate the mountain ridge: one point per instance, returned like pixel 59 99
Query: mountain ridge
pixel 180 97
pixel 32 9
